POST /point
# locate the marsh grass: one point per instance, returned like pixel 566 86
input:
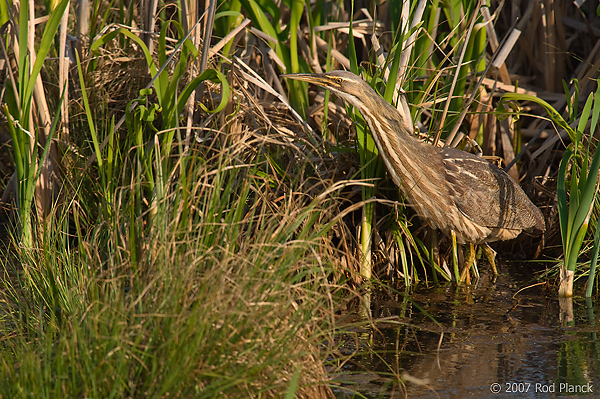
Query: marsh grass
pixel 577 183
pixel 203 236
pixel 228 308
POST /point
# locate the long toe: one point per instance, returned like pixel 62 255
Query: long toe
pixel 490 255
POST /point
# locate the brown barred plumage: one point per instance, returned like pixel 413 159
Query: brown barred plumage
pixel 450 189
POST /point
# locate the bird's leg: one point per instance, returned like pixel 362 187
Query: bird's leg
pixel 435 251
pixel 455 257
pixel 469 261
pixel 490 255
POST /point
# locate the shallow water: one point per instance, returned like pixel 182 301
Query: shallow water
pixel 494 345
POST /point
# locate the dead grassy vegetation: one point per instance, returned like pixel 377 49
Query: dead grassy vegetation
pixel 198 239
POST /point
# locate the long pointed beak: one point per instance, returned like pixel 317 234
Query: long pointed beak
pixel 316 78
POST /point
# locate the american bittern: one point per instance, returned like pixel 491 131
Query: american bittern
pixel 459 193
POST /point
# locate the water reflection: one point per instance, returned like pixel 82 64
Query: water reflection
pixel 491 342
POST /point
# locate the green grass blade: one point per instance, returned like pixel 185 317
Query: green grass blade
pixel 351 47
pixel 23 52
pixel 588 192
pixel 88 113
pixel 300 89
pixel 50 135
pixel 15 135
pixel 596 110
pixel 554 115
pixel 403 258
pixel 593 262
pixel 390 86
pixel 568 100
pixel 47 40
pixel 209 74
pixel 563 205
pixel 583 119
pixel 260 19
pixel 295 16
pixel 291 392
pixel 109 36
pixel 575 99
pixel 577 242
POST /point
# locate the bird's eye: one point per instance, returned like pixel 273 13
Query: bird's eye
pixel 339 81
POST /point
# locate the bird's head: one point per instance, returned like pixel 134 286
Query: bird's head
pixel 344 84
pixel 355 91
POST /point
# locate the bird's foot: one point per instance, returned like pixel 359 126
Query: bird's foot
pixel 490 255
